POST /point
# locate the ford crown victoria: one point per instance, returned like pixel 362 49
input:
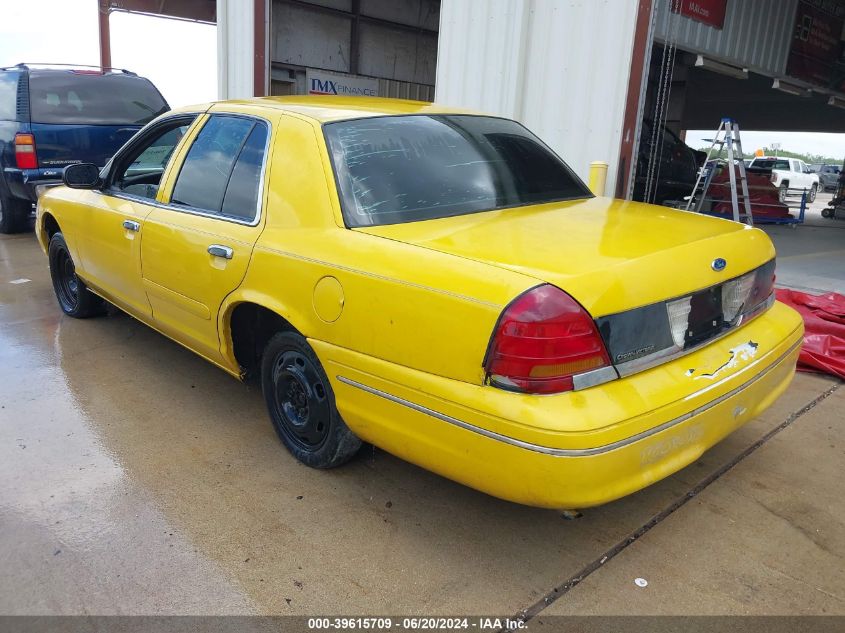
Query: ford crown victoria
pixel 435 282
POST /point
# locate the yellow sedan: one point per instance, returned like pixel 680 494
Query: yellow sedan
pixel 436 282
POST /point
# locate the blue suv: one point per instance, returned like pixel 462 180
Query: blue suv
pixel 51 117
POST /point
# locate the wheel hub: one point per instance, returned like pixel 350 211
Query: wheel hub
pixel 301 406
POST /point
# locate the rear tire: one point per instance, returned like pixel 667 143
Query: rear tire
pixel 783 190
pixel 71 292
pixel 301 403
pixel 14 215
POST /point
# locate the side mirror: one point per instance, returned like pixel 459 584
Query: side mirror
pixel 81 176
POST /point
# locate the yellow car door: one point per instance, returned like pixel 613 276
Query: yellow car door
pixel 197 246
pixel 110 237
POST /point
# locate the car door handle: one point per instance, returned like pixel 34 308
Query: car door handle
pixel 131 225
pixel 220 251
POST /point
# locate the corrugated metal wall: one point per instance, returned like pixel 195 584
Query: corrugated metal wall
pixel 757 33
pixel 560 67
pixel 397 45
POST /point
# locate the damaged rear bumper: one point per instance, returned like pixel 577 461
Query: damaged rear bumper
pixel 577 449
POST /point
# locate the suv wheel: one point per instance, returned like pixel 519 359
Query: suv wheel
pixel 14 215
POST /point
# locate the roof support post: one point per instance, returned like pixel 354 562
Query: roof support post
pixel 637 81
pixel 105 34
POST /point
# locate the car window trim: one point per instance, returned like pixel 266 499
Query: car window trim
pixel 185 208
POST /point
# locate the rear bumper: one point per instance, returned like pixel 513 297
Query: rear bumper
pixel 24 183
pixel 571 450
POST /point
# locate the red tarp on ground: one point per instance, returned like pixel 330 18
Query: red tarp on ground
pixel 824 330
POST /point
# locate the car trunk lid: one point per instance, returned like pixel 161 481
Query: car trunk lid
pixel 610 255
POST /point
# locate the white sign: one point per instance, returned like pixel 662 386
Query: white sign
pixel 320 82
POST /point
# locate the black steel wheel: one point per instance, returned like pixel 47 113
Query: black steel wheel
pixel 71 292
pixel 301 403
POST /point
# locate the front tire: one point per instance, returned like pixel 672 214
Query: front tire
pixel 71 292
pixel 811 197
pixel 301 403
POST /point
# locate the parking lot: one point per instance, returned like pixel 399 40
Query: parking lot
pixel 140 479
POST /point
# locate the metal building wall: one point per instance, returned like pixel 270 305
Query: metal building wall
pixel 394 41
pixel 561 67
pixel 235 49
pixel 756 35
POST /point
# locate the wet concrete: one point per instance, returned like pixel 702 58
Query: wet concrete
pixel 137 478
pixel 811 256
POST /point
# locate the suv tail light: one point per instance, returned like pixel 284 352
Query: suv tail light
pixel 543 339
pixel 25 156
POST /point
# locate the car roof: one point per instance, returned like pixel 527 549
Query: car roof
pixel 325 109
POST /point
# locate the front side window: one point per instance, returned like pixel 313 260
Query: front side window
pixel 139 172
pixel 398 169
pixel 222 171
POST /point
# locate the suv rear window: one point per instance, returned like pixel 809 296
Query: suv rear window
pixel 94 99
pixel 408 168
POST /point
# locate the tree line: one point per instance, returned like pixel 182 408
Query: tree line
pixel 806 157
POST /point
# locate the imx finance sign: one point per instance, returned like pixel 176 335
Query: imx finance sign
pixel 319 82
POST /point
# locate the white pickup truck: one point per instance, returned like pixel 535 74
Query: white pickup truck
pixel 788 175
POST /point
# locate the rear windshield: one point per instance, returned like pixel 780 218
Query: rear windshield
pixel 408 168
pixel 95 99
pixel 770 163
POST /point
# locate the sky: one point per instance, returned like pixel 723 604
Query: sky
pixel 179 57
pixel 830 145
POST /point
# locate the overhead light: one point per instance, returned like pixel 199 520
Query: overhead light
pixel 718 67
pixel 792 89
pixel 838 102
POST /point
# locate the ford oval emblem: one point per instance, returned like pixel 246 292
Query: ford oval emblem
pixel 718 264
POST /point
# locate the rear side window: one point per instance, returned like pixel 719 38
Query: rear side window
pixel 222 171
pixel 408 168
pixel 9 96
pixel 95 99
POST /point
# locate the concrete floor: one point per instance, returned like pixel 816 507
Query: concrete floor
pixel 137 478
pixel 811 256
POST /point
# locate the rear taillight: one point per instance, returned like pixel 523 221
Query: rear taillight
pixel 25 156
pixel 543 339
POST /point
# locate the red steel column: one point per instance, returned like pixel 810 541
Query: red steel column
pixel 259 62
pixel 627 150
pixel 105 34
